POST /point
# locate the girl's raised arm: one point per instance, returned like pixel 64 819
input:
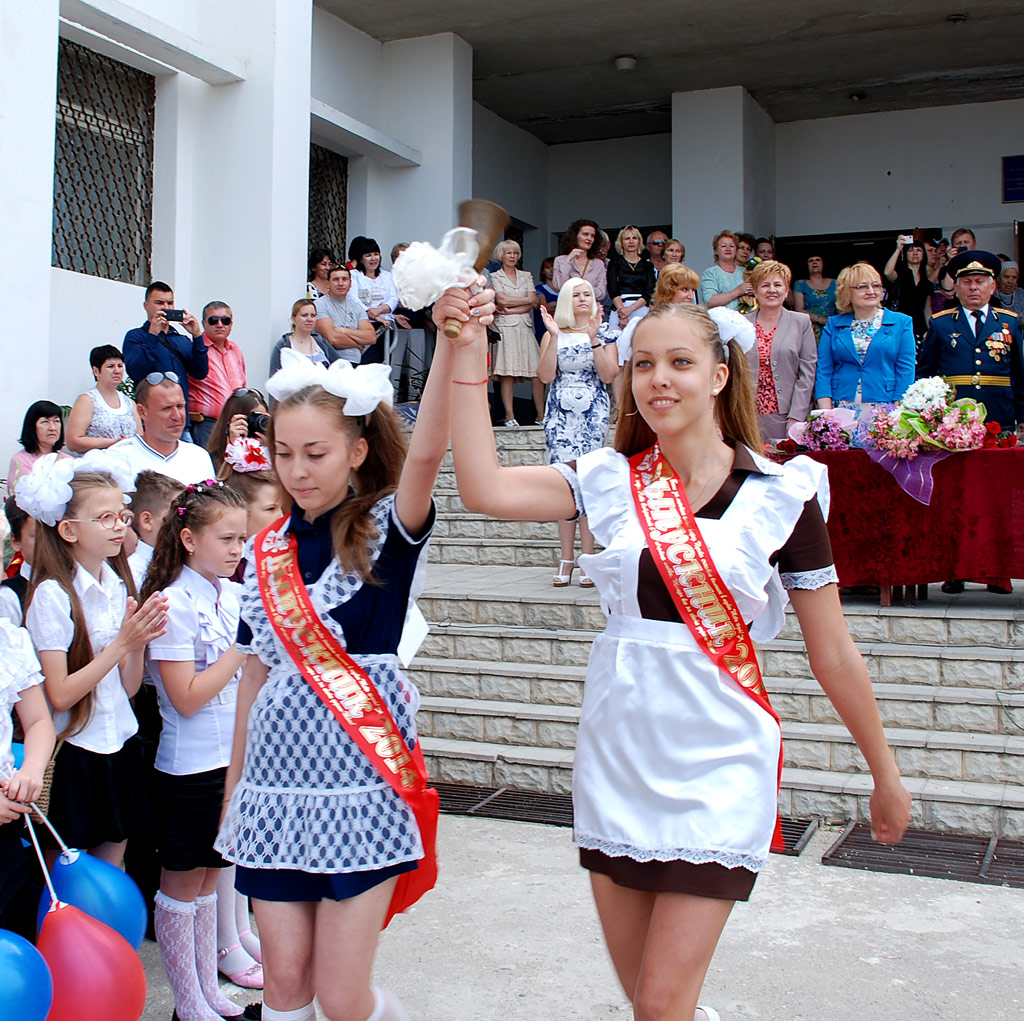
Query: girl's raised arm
pixel 524 493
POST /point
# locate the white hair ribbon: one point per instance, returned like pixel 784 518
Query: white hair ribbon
pixel 45 492
pixel 733 326
pixel 423 273
pixel 363 387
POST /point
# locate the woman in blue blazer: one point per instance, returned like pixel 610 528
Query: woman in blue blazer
pixel 866 353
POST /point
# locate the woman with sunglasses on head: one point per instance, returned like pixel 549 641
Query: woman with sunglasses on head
pixel 241 411
pixel 866 354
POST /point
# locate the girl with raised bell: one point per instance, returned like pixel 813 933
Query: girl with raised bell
pixel 330 824
pixel 679 752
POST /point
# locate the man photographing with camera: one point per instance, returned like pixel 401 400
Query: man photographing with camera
pixel 207 397
pixel 156 346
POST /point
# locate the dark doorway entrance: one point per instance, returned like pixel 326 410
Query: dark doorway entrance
pixel 841 250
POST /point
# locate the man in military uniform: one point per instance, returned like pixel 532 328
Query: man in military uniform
pixel 978 348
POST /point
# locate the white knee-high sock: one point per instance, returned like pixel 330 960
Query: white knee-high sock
pixel 174 921
pixel 246 936
pixel 387 1006
pixel 307 1013
pixel 232 957
pixel 206 957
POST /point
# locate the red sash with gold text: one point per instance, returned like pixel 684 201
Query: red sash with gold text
pixel 700 595
pixel 347 691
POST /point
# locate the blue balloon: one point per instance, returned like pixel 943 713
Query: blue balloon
pixel 100 890
pixel 26 987
pixel 19 754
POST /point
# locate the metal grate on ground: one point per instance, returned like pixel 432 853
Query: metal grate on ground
pixel 556 809
pixel 970 859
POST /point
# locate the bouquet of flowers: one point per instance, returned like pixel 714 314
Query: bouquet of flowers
pixel 997 436
pixel 929 418
pixel 825 430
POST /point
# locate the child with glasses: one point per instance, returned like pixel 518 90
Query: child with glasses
pixel 90 634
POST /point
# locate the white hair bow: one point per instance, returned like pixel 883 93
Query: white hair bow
pixel 45 492
pixel 363 387
pixel 424 273
pixel 733 326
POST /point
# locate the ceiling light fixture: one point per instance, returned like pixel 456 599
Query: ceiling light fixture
pixel 625 63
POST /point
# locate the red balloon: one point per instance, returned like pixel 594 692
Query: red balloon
pixel 97 975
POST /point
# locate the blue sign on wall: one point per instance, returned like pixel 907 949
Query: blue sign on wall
pixel 1013 178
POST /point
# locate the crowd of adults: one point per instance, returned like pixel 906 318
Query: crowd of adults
pixel 858 337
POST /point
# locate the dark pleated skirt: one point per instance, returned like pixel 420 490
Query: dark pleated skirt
pixel 187 811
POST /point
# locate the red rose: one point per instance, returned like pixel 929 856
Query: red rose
pixel 994 428
pixel 1009 441
pixel 990 441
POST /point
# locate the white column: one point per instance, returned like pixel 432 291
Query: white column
pixel 28 96
pixel 723 168
pixel 427 103
pixel 248 171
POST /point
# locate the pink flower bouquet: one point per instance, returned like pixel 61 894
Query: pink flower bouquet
pixel 825 430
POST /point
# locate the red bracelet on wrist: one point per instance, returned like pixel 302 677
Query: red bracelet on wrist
pixel 469 382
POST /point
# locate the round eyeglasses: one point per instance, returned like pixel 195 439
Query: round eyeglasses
pixel 110 519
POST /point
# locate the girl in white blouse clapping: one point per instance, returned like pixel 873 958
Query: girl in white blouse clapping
pixel 196 669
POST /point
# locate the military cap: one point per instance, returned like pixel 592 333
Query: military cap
pixel 974 262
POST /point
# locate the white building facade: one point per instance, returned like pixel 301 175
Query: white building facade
pixel 239 91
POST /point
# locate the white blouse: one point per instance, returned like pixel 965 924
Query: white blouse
pixel 48 620
pixel 19 669
pixel 202 623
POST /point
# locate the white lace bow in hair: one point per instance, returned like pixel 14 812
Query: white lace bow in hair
pixel 115 462
pixel 733 326
pixel 423 273
pixel 363 387
pixel 44 493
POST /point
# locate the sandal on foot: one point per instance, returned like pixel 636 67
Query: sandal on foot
pixel 562 579
pixel 585 580
pixel 249 977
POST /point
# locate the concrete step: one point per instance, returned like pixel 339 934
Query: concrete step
pixel 459 591
pixel 983 667
pixel 950 755
pixel 465 525
pixel 495 552
pixel 926 708
pixel 952 806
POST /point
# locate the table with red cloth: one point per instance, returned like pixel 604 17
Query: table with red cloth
pixel 972 529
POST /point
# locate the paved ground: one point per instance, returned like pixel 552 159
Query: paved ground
pixel 510 934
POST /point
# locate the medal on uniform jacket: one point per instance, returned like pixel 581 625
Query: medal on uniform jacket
pixel 998 344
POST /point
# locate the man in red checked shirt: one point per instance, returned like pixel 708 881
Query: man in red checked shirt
pixel 207 397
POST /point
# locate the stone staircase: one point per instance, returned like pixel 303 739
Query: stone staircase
pixel 502 671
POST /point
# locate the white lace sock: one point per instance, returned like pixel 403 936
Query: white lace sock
pixel 248 939
pixel 174 921
pixel 387 1006
pixel 236 959
pixel 206 957
pixel 307 1013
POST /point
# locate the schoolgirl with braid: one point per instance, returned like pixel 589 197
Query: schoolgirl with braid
pixel 195 668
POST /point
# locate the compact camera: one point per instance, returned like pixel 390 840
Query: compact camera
pixel 907 239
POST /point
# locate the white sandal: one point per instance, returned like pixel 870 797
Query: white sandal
pixel 561 580
pixel 709 1013
pixel 585 580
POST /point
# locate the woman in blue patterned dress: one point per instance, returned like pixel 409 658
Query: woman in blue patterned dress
pixel 577 365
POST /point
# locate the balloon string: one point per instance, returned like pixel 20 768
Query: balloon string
pixel 42 861
pixel 49 826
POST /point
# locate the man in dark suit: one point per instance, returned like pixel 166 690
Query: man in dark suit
pixel 977 346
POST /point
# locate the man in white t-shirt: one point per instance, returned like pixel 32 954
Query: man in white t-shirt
pixel 161 404
pixel 342 319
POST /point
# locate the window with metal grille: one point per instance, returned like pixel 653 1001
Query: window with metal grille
pixel 328 198
pixel 103 167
